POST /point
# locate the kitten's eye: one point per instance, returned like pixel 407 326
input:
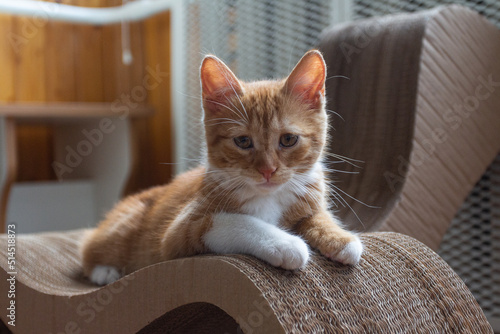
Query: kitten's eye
pixel 243 142
pixel 288 140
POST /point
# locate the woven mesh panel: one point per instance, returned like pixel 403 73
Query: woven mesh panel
pixel 367 8
pixel 256 38
pixel 471 245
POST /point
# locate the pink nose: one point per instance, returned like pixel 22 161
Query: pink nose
pixel 267 172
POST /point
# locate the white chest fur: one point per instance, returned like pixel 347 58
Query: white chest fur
pixel 270 208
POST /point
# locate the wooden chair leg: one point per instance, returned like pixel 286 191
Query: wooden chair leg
pixel 99 154
pixel 8 165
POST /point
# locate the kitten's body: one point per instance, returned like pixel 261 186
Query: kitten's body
pixel 261 191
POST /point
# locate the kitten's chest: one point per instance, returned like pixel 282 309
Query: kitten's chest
pixel 269 208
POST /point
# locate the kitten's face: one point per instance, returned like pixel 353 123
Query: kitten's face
pixel 264 134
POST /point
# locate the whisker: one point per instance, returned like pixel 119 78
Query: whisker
pixel 224 119
pixel 331 170
pixel 352 210
pixel 300 182
pixel 236 112
pixel 338 76
pixel 224 194
pixel 344 157
pixel 198 160
pixel 349 161
pixel 217 121
pixel 224 72
pixel 217 187
pixel 239 183
pixel 197 97
pixel 298 187
pixel 355 199
pixel 335 113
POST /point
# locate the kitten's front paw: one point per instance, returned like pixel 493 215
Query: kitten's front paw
pixel 102 275
pixel 350 254
pixel 290 253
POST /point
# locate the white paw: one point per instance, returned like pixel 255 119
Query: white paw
pixel 351 254
pixel 102 275
pixel 288 253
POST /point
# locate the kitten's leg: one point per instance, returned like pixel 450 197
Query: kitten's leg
pixel 323 232
pixel 106 251
pixel 237 233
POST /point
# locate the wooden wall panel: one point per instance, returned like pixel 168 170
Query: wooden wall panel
pixel 29 85
pixel 7 60
pixel 111 63
pixel 157 43
pixel 60 62
pixel 54 61
pixel 88 63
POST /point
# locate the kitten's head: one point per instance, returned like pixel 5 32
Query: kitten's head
pixel 265 134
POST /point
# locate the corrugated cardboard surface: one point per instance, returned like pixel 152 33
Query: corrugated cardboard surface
pixel 398 286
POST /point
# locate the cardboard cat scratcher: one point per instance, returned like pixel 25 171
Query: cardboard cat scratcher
pixel 421 160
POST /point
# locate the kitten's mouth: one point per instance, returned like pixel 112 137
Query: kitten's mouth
pixel 268 185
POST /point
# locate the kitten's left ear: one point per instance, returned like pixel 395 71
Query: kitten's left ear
pixel 307 80
pixel 218 82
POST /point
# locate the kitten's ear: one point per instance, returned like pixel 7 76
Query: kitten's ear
pixel 218 83
pixel 307 80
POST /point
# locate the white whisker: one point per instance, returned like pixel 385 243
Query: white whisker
pixel 225 74
pixel 331 170
pixel 236 112
pixel 335 113
pixel 338 76
pixel 355 199
pixel 350 208
pixel 349 161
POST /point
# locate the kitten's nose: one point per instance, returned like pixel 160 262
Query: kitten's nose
pixel 267 172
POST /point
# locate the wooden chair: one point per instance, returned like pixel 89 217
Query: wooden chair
pixel 94 155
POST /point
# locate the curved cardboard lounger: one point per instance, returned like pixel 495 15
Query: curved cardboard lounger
pixel 399 286
pixel 420 108
pixel 403 81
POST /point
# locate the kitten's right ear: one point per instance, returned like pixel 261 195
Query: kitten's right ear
pixel 307 80
pixel 218 82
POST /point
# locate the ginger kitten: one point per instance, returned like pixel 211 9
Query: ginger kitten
pixel 261 190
